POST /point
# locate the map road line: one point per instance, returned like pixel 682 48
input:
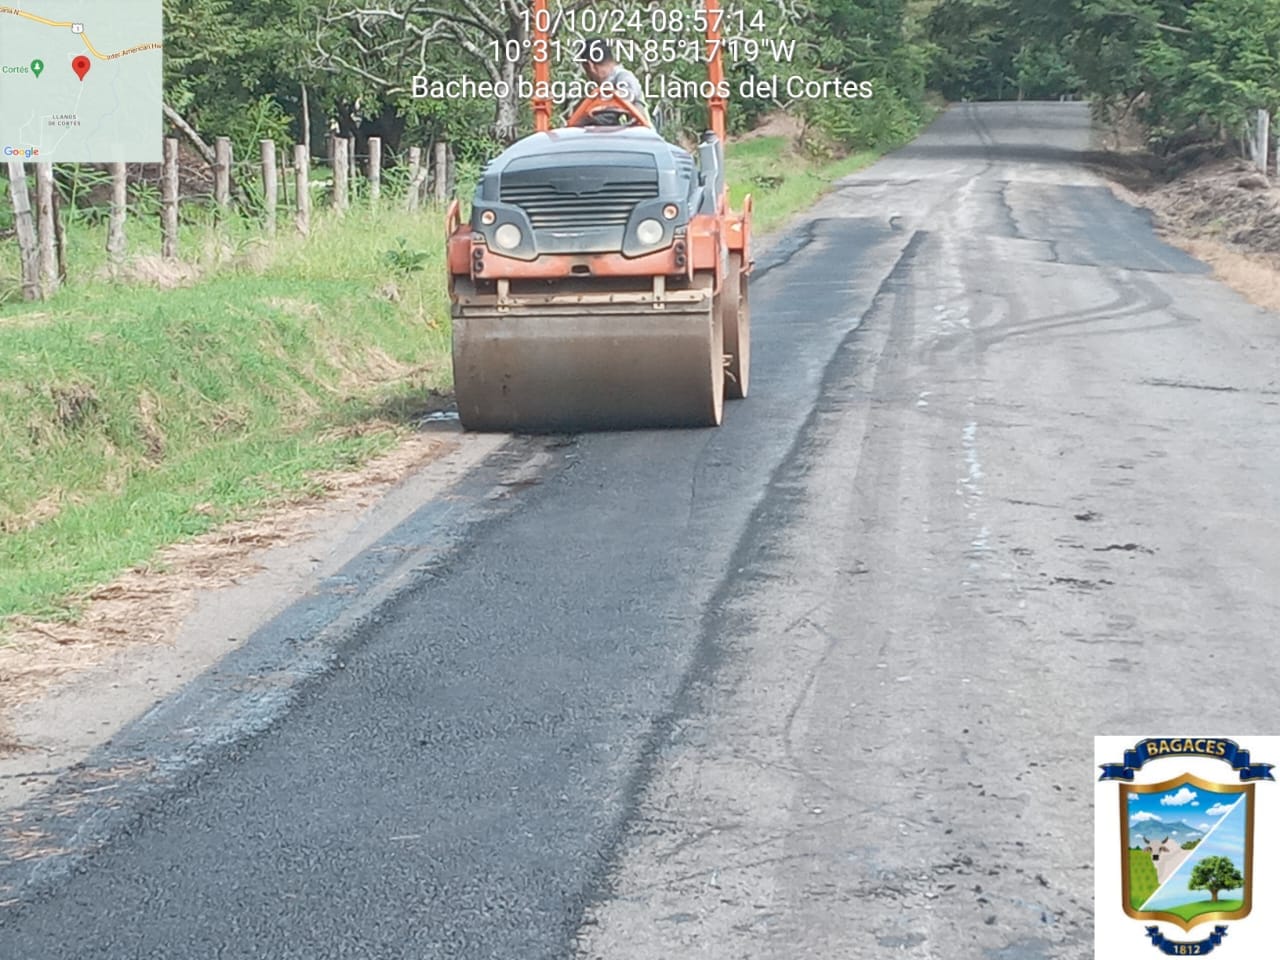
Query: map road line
pixel 83 36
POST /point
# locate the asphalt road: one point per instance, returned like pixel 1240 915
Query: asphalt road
pixel 821 683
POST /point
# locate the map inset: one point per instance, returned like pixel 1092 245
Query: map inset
pixel 81 81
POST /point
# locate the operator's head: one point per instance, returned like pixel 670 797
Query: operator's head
pixel 597 59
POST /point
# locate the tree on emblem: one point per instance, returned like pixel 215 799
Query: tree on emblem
pixel 1214 874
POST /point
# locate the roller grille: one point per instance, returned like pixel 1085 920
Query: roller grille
pixel 549 208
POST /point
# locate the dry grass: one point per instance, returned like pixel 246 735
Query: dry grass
pixel 776 124
pixel 154 271
pixel 1254 275
pixel 147 605
pixel 1179 211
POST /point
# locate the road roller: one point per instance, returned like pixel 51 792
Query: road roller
pixel 601 280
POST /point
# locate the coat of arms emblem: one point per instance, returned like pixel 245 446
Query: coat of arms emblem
pixel 1187 843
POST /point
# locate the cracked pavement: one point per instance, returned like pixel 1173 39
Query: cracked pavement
pixel 821 683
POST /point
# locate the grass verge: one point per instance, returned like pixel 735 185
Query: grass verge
pixel 782 179
pixel 143 408
pixel 132 417
pixel 1190 911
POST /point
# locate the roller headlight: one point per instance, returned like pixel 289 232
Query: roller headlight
pixel 649 232
pixel 508 236
pixel 487 217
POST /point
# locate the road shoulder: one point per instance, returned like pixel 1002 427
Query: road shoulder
pixel 70 689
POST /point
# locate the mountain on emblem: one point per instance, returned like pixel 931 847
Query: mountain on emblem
pixel 1186 854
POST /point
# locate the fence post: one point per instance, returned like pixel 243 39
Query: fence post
pixel 222 172
pixel 119 204
pixel 415 168
pixel 1262 141
pixel 375 168
pixel 340 159
pixel 59 237
pixel 302 188
pixel 270 187
pixel 351 165
pixel 169 200
pixel 47 230
pixel 442 171
pixel 27 242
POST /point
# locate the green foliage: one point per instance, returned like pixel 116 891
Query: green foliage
pixel 1227 67
pixel 885 120
pixel 1191 845
pixel 245 68
pixel 781 180
pixel 1142 878
pixel 1214 874
pixel 1043 71
pixel 133 416
pixel 404 261
pixel 233 68
pixel 1189 911
pixel 873 42
pixel 1185 64
pixel 972 55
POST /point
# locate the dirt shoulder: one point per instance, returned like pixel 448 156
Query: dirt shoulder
pixel 1223 212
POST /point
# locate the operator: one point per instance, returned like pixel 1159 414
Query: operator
pixel 598 64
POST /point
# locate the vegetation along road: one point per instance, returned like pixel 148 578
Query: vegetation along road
pixel 820 683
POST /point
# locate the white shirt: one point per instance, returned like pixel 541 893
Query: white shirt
pixel 627 85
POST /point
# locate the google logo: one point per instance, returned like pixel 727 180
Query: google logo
pixel 25 152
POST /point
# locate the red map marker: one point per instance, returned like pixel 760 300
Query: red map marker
pixel 81 66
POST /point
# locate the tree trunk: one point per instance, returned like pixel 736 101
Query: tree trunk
pixel 506 121
pixel 189 132
pixel 202 148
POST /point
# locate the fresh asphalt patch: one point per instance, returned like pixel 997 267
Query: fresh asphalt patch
pixel 443 737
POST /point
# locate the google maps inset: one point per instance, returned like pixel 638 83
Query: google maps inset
pixel 81 81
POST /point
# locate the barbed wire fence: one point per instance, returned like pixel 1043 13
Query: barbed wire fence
pixel 273 191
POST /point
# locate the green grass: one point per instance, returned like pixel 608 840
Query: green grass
pixel 1190 910
pixel 133 417
pixel 782 180
pixel 1142 878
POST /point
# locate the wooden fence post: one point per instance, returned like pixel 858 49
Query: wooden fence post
pixel 222 172
pixel 27 243
pixel 340 168
pixel 270 185
pixel 415 185
pixel 1262 142
pixel 119 204
pixel 375 168
pixel 169 200
pixel 47 230
pixel 59 237
pixel 442 171
pixel 302 188
pixel 351 164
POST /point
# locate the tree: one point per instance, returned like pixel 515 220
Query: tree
pixel 231 69
pixel 1226 66
pixel 1214 874
pixel 871 41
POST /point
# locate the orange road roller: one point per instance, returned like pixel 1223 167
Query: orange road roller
pixel 601 282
